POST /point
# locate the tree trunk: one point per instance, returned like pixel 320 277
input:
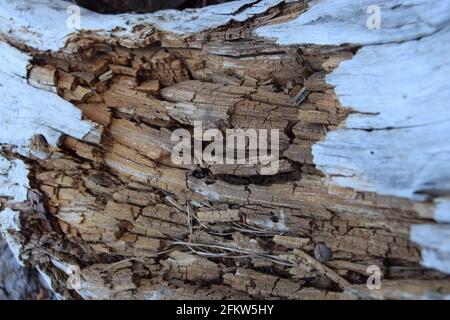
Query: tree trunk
pixel 91 195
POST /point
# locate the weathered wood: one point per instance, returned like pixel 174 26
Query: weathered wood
pixel 86 168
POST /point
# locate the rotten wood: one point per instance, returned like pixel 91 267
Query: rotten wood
pixel 95 189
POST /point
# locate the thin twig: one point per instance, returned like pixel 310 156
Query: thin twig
pixel 249 253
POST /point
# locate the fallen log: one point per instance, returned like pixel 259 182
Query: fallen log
pixel 91 195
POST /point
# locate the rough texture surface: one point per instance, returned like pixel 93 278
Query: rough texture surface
pixel 94 201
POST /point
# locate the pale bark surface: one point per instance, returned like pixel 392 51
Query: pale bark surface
pixel 88 182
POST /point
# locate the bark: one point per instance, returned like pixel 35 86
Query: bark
pixel 93 200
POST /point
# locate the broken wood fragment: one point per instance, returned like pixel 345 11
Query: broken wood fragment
pixel 322 268
pixel 43 78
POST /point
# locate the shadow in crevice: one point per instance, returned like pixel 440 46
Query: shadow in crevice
pixel 142 6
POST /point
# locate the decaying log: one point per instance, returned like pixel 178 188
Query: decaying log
pixel 92 198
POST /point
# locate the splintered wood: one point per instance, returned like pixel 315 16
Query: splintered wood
pixel 140 226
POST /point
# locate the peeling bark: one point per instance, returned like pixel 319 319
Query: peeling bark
pixel 90 187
